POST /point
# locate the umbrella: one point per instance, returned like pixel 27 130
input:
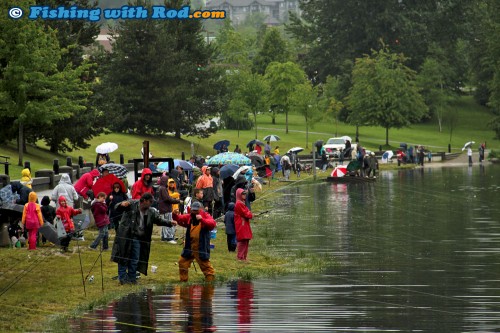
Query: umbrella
pixel 228 158
pixel 387 155
pixel 272 137
pixel 162 166
pixel 319 143
pixel 255 142
pixel 295 150
pixel 256 159
pixel 218 145
pixel 346 138
pixel 339 171
pixel 353 166
pixel 467 145
pixel 185 165
pixel 49 232
pixel 242 169
pixel 115 169
pixel 228 170
pixel 106 148
pixel 105 184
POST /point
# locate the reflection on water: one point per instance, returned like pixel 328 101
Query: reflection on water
pixel 418 252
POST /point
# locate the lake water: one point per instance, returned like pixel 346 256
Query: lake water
pixel 417 251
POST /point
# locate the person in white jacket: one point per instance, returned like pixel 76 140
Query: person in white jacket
pixel 65 188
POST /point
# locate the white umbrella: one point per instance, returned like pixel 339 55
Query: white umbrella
pixel 467 145
pixel 295 150
pixel 242 169
pixel 345 137
pixel 106 148
pixel 387 156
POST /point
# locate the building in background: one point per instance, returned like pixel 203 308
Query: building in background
pixel 276 11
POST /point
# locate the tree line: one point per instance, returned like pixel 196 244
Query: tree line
pixel 388 63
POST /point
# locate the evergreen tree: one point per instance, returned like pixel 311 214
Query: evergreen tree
pixel 274 48
pixel 159 77
pixel 34 93
pixel 74 37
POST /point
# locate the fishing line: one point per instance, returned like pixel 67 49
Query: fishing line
pixel 16 279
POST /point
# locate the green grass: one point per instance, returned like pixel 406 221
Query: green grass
pixel 48 285
pixel 471 125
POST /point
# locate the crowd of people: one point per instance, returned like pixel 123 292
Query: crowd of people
pixel 176 198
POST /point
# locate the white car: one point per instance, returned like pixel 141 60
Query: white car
pixel 333 145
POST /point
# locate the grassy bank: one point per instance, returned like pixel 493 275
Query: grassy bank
pixel 44 287
pixel 471 125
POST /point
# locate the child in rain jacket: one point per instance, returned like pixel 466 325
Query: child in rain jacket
pixel 32 219
pixel 26 177
pixel 242 216
pixel 100 212
pixel 66 213
pixel 230 230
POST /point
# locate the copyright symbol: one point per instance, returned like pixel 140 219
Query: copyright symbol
pixel 15 13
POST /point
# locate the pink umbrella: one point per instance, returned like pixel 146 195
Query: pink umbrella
pixel 339 171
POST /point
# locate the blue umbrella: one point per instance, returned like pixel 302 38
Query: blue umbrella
pixel 228 170
pixel 185 165
pixel 228 158
pixel 255 142
pixel 218 145
pixel 162 166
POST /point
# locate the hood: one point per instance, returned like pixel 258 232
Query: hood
pixel 238 194
pixel 171 180
pixel 32 197
pixel 95 173
pixel 146 171
pixel 164 180
pixel 45 200
pixel 65 179
pixel 116 183
pixel 62 198
pixel 26 173
pixel 230 206
pixel 204 168
pixel 214 172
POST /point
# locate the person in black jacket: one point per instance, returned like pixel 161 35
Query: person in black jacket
pixel 23 191
pixel 114 198
pixel 48 213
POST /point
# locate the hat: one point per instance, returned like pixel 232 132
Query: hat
pixel 171 180
pixel 196 206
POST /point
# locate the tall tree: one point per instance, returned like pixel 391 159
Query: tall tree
pixel 282 79
pixel 75 38
pixel 159 76
pixel 249 95
pixel 435 88
pixel 305 101
pixel 34 93
pixel 336 30
pixel 274 48
pixel 384 92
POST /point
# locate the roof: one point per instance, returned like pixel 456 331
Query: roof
pixel 238 3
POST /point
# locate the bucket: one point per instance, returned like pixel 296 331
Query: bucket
pixel 213 234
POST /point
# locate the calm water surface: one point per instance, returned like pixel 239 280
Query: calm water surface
pixel 418 251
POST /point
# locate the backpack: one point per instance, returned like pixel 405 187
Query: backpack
pixel 32 221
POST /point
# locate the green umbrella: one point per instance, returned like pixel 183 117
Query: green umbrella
pixel 353 166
